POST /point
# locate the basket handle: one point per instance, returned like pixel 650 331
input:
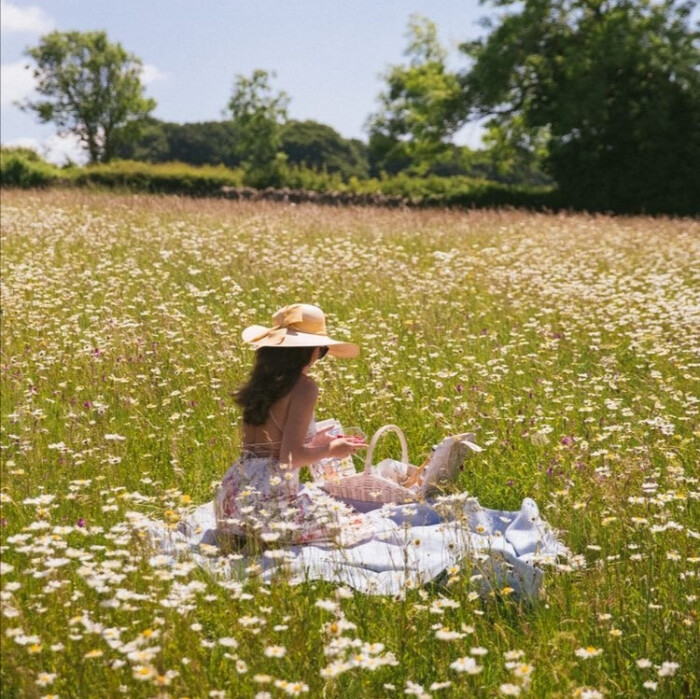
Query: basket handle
pixel 375 438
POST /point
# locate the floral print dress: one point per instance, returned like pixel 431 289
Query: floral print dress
pixel 262 499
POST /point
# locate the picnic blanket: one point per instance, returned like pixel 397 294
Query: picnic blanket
pixel 405 547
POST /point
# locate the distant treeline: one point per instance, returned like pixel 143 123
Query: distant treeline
pixel 312 145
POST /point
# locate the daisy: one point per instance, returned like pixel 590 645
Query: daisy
pixel 466 664
pixel 588 652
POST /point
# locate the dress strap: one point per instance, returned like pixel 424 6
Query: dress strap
pixel 277 425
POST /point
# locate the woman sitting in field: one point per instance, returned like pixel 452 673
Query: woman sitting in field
pixel 260 495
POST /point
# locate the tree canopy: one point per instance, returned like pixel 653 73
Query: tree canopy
pixel 200 143
pixel 420 108
pixel 321 147
pixel 91 88
pixel 258 114
pixel 610 87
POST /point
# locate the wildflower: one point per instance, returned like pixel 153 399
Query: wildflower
pixel 510 690
pixel 415 689
pixel 435 686
pixel 466 664
pixel 478 651
pixel 588 652
pixel 45 678
pixel 650 684
pixel 336 668
pixel 668 669
pixel 143 672
pixel 228 642
pixel 445 634
pixel 96 653
pixel 523 670
pixel 294 689
pixel 644 663
pixel 326 604
pixel 275 652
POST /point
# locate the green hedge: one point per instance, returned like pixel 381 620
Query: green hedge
pixel 23 167
pixel 158 178
pixel 459 191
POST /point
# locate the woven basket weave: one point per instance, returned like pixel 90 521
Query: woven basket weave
pixel 368 487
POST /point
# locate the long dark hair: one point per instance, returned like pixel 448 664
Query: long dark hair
pixel 274 373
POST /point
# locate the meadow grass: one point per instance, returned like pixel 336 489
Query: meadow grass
pixel 569 344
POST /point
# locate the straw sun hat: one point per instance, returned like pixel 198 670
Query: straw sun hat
pixel 298 325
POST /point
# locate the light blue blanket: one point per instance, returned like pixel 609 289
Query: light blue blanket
pixel 408 546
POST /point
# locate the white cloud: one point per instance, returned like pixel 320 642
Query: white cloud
pixel 150 73
pixel 16 82
pixel 56 149
pixel 26 20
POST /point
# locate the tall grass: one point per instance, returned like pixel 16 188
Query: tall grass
pixel 569 344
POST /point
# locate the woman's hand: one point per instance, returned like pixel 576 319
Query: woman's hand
pixel 321 438
pixel 340 447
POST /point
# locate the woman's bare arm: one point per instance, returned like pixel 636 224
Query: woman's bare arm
pixel 301 409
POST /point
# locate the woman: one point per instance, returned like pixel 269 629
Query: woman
pixel 260 495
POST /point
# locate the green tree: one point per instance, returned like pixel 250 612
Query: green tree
pixel 614 85
pixel 320 147
pixel 258 115
pixel 421 107
pixel 89 87
pixel 516 153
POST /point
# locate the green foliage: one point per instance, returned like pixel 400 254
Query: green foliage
pixel 301 177
pixel 516 151
pixel 320 147
pixel 90 88
pixel 167 178
pixel 420 108
pixel 202 143
pixel 258 113
pixel 616 86
pixel 459 192
pixel 23 167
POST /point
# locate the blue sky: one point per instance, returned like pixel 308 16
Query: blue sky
pixel 327 54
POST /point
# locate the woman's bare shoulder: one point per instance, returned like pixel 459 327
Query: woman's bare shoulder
pixel 304 389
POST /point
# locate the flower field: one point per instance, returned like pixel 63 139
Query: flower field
pixel 570 345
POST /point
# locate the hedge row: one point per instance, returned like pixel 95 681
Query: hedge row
pixel 165 178
pixel 24 168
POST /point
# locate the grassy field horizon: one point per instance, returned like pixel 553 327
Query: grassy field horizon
pixel 569 344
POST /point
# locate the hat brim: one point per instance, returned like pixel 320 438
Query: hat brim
pixel 294 338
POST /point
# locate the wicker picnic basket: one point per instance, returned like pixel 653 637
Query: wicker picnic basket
pixel 369 487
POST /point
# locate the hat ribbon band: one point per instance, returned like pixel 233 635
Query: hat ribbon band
pixel 277 334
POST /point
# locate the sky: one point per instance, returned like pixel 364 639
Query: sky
pixel 327 55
